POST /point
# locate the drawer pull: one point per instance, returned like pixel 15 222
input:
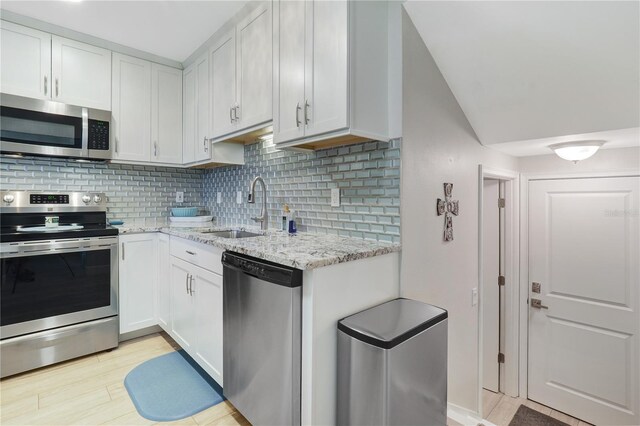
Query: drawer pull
pixel 191 252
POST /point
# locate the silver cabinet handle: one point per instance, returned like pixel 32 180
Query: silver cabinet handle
pixel 191 291
pixel 45 85
pixel 122 251
pixel 191 252
pixel 298 122
pixel 206 148
pixel 57 91
pixel 186 283
pixel 237 112
pixel 116 138
pixel 306 112
pixel 537 303
pixel 155 148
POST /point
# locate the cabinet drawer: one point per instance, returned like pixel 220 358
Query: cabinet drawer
pixel 203 255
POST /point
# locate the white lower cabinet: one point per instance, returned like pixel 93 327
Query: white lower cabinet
pixel 163 290
pixel 137 282
pixel 196 303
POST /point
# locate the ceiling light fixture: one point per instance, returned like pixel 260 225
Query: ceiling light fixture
pixel 577 150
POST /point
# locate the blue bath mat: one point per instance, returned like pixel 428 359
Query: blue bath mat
pixel 171 387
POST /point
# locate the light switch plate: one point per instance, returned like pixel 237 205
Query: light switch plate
pixel 239 197
pixel 179 196
pixel 335 197
pixel 219 198
pixel 474 296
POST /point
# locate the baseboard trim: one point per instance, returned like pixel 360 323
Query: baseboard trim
pixel 139 333
pixel 465 417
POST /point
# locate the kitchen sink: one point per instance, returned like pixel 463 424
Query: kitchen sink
pixel 232 234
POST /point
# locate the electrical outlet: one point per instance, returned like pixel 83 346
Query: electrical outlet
pixel 219 198
pixel 179 197
pixel 335 197
pixel 239 197
pixel 474 296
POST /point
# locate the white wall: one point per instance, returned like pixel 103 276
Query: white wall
pixel 605 160
pixel 440 146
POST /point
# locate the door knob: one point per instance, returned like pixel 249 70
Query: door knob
pixel 537 303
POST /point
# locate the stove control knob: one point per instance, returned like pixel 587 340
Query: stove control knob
pixel 97 199
pixel 8 198
pixel 86 199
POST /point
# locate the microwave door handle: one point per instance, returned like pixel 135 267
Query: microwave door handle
pixel 85 132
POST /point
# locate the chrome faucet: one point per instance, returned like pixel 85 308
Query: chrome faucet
pixel 264 215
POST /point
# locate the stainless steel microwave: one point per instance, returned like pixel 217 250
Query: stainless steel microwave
pixel 53 129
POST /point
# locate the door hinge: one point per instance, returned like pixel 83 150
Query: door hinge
pixel 501 203
pixel 501 358
pixel 501 280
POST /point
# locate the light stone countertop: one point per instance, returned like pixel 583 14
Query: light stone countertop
pixel 302 251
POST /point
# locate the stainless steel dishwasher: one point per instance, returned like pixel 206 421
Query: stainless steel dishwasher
pixel 262 339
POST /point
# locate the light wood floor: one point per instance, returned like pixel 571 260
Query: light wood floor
pixel 90 391
pixel 499 409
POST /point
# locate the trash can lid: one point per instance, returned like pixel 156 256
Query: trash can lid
pixel 391 323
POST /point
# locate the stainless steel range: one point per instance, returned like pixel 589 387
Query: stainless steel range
pixel 59 278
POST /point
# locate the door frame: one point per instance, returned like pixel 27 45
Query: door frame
pixel 511 266
pixel 524 259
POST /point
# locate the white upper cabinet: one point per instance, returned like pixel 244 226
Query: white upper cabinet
pixel 25 62
pixel 81 73
pixel 196 146
pixel 331 78
pixel 44 66
pixel 241 64
pixel 131 112
pixel 189 113
pixel 222 62
pixel 166 114
pixel 254 68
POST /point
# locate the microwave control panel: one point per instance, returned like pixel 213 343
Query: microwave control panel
pixel 98 135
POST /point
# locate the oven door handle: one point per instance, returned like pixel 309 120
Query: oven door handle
pixel 44 247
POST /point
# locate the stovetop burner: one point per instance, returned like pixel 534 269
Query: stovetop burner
pixel 53 216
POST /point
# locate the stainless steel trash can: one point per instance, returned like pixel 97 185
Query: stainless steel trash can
pixel 392 365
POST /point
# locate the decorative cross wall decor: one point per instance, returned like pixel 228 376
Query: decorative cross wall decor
pixel 448 207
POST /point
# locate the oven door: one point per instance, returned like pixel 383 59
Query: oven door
pixel 49 284
pixel 41 127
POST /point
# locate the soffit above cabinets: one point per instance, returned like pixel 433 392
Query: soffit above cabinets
pixel 169 29
pixel 528 74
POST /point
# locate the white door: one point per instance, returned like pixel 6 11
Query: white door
pixel 182 304
pixel 255 67
pixel 289 62
pixel 166 114
pixel 583 251
pixel 131 112
pixel 326 67
pixel 490 290
pixel 189 114
pixel 207 288
pixel 25 61
pixel 81 73
pixel 137 282
pixel 222 63
pixel 163 289
pixel 201 148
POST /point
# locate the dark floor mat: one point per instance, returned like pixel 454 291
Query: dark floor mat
pixel 526 416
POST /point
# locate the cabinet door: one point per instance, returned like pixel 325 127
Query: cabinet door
pixel 182 314
pixel 166 114
pixel 207 288
pixel 222 63
pixel 189 114
pixel 131 112
pixel 202 148
pixel 163 289
pixel 326 70
pixel 289 62
pixel 81 74
pixel 255 67
pixel 137 281
pixel 25 61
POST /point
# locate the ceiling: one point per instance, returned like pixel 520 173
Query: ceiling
pixel 531 73
pixel 170 29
